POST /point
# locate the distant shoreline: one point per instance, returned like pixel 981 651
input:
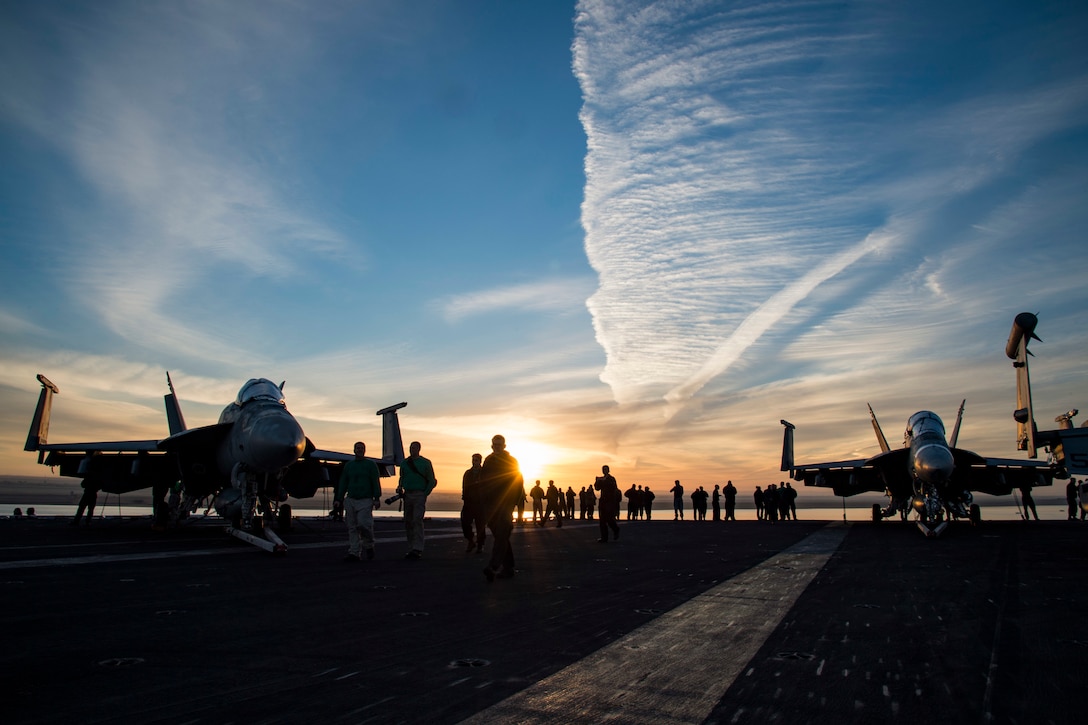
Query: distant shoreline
pixel 40 490
pixel 55 490
pixel 58 491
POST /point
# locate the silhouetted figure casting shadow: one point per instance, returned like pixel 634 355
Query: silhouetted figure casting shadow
pixel 501 485
pixel 473 516
pixel 1029 503
pixel 677 501
pixel 537 494
pixel 87 501
pixel 729 494
pixel 609 504
pixel 791 499
pixel 631 495
pixel 555 499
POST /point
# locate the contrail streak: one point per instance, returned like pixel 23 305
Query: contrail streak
pixel 764 317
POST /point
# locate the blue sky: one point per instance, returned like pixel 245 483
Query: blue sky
pixel 623 233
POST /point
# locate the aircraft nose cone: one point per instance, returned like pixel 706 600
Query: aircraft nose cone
pixel 933 464
pixel 275 441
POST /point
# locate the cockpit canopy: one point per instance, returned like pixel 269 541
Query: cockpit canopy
pixel 259 389
pixel 924 421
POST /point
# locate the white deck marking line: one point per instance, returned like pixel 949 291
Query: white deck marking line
pixel 676 668
pixel 180 553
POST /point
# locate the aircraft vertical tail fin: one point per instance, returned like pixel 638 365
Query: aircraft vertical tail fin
pixel 39 427
pixel 787 446
pixel 884 447
pixel 174 418
pixel 392 443
pixel 956 428
pixel 1023 332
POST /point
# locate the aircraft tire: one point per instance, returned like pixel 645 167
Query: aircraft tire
pixel 283 517
pixel 877 515
pixel 975 514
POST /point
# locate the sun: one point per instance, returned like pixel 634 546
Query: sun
pixel 532 458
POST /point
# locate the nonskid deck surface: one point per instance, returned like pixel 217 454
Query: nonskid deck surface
pixel 675 622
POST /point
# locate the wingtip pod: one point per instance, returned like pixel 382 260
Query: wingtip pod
pixel 1023 328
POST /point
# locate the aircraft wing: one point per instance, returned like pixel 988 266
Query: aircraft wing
pixel 112 466
pixel 204 438
pixel 851 477
pixel 845 477
pixel 125 466
pixel 848 478
pixel 392 450
pixel 321 468
pixel 115 466
pixel 1000 476
pixel 103 446
pixel 1017 464
pixel 385 467
pixel 318 468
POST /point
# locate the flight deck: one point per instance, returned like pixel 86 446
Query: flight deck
pixel 739 622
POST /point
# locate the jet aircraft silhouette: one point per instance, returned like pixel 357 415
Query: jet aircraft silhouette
pixel 928 475
pixel 245 465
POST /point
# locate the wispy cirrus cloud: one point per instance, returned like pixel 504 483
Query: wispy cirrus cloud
pixel 151 109
pixel 549 295
pixel 15 324
pixel 737 156
pixel 766 316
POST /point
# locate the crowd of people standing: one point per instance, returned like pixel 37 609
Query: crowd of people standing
pixel 776 503
pixel 492 489
pixel 553 501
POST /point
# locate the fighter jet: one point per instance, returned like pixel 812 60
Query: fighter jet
pixel 928 475
pixel 246 465
pixel 1067 445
